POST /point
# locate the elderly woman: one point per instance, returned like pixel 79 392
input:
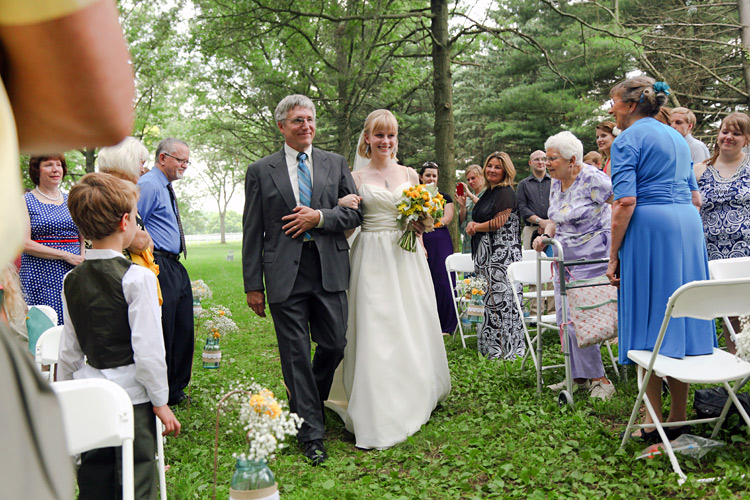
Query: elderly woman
pixel 53 245
pixel 439 246
pixel 579 209
pixel 495 245
pixel 472 190
pixel 724 183
pixel 605 134
pixel 127 161
pixel 657 237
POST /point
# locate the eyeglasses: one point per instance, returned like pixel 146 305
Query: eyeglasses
pixel 430 164
pixel 182 161
pixel 550 159
pixel 297 122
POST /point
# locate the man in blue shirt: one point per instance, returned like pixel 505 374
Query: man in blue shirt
pixel 157 207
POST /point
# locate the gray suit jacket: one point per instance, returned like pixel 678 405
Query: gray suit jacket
pixel 267 251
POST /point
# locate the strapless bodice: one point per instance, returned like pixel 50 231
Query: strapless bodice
pixel 379 207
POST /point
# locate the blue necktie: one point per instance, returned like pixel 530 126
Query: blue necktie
pixel 305 184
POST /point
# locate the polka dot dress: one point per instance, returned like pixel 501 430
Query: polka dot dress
pixel 51 226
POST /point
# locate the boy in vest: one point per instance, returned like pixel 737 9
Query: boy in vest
pixel 113 330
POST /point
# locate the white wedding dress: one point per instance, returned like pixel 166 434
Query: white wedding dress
pixel 395 370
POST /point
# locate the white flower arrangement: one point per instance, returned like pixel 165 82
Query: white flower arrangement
pixel 267 423
pixel 471 286
pixel 743 338
pixel 201 290
pixel 220 322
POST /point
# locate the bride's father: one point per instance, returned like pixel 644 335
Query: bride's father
pixel 293 234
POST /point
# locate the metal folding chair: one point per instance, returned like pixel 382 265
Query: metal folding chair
pixel 459 263
pixel 48 351
pixel 707 300
pixel 98 413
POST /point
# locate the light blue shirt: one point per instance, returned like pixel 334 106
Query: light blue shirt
pixel 157 211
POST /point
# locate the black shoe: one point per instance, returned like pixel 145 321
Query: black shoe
pixel 178 400
pixel 675 432
pixel 315 451
pixel 647 436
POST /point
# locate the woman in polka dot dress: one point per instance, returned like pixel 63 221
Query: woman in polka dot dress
pixel 53 245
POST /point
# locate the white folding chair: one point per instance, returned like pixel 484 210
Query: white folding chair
pixel 48 311
pixel 97 413
pixel 529 255
pixel 725 269
pixel 48 350
pixel 459 263
pixel 525 273
pixel 707 300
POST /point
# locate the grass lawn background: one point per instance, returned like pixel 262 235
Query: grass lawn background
pixel 493 437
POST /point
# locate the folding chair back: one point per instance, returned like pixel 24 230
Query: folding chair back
pixel 529 255
pixel 524 272
pixel 459 263
pixel 705 300
pixel 729 268
pixel 98 413
pixel 48 350
pixel 49 311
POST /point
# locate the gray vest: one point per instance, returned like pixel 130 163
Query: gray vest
pixel 99 311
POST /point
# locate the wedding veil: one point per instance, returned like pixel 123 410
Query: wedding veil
pixel 360 161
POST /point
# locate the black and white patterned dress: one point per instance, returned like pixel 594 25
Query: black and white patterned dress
pixel 500 336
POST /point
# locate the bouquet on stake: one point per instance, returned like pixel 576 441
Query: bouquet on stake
pixel 420 203
pixel 267 422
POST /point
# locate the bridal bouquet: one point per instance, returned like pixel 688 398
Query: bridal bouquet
pixel 420 203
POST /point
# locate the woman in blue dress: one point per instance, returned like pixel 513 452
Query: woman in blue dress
pixel 657 237
pixel 53 245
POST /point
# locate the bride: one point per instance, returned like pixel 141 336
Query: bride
pixel 395 370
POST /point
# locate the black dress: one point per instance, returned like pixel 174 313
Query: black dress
pixel 501 333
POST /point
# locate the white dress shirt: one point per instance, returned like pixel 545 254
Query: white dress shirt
pixel 146 379
pixel 292 165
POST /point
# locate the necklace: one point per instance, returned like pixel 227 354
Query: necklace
pixel 383 176
pixel 59 196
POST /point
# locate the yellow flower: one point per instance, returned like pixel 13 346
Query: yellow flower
pixel 217 335
pixel 221 313
pixel 467 281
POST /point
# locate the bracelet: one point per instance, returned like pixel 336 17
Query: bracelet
pixel 547 235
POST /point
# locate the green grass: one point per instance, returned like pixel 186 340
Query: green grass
pixel 493 437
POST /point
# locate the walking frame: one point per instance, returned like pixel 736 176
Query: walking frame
pixel 546 323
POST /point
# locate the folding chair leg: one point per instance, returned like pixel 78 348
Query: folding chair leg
pixel 128 478
pixel 731 399
pixel 612 358
pixel 160 460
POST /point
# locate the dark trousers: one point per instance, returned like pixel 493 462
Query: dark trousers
pixel 177 323
pixel 309 312
pixel 100 473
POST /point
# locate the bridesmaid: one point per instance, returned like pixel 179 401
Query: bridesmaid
pixel 438 246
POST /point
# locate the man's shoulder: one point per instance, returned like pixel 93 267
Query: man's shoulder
pixel 335 157
pixel 278 156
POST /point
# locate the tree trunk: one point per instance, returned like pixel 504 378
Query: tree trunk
pixel 343 86
pixel 222 227
pixel 744 10
pixel 442 84
pixel 90 156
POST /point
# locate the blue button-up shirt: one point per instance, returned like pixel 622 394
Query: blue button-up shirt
pixel 158 212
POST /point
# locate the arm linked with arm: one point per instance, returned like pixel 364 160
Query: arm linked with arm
pixel 338 218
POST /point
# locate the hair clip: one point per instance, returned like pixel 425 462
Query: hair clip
pixel 662 87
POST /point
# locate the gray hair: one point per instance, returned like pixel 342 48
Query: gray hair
pixel 640 90
pixel 125 158
pixel 289 103
pixel 167 145
pixel 567 144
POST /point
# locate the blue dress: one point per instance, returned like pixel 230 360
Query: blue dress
pixel 664 247
pixel 52 226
